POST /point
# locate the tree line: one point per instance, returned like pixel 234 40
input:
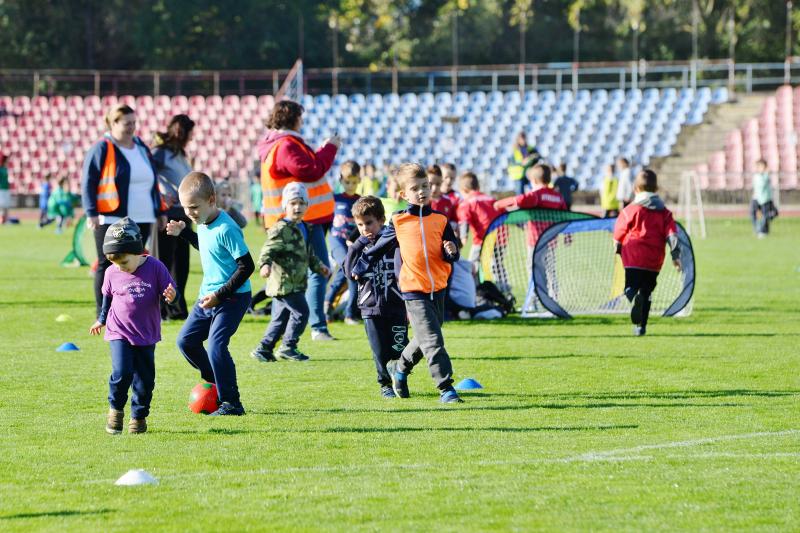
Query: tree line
pixel 266 34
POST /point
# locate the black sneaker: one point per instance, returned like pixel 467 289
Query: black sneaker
pixel 291 354
pixel 449 395
pixel 399 379
pixel 388 392
pixel 636 310
pixel 228 409
pixel 263 355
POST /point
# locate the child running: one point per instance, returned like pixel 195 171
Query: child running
pixel 131 312
pixel 379 298
pixel 285 259
pixel 428 247
pixel 224 292
pixel 639 234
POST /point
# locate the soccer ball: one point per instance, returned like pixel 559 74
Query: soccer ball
pixel 203 399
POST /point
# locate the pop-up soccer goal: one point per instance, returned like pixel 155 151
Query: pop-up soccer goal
pixel 562 263
pixel 577 272
pixel 507 252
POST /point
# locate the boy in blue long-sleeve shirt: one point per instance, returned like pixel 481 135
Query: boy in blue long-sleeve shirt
pixel 224 293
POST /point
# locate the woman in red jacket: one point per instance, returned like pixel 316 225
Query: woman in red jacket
pixel 286 158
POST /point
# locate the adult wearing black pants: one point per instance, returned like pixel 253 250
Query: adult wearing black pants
pixel 172 165
pixel 119 180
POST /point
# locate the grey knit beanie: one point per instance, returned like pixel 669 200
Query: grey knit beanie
pixel 123 237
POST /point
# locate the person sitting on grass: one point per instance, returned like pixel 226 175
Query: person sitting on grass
pixel 285 259
pixel 428 247
pixel 379 298
pixel 224 293
pixel 640 233
pixel 131 312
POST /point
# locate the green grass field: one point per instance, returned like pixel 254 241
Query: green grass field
pixel 580 426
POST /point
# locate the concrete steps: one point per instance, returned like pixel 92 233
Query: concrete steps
pixel 696 143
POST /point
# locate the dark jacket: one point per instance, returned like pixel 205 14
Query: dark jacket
pixel 420 233
pixel 378 293
pixel 93 168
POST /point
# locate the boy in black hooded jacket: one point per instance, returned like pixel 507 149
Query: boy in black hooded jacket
pixel 379 299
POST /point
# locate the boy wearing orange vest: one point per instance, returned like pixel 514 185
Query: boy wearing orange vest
pixel 428 247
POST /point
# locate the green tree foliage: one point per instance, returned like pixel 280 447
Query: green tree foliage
pixel 262 34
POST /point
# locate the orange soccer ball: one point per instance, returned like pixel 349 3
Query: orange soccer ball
pixel 203 399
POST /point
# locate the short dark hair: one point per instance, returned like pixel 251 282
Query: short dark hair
pixel 435 170
pixel 116 112
pixel 562 167
pixel 539 173
pixel 369 206
pixel 646 180
pixel 469 181
pixel 449 166
pixel 349 168
pixel 284 115
pixel 198 184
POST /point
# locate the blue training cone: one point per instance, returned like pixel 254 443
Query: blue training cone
pixel 468 384
pixel 67 347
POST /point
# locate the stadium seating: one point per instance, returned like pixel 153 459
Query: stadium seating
pixel 586 130
pixel 771 136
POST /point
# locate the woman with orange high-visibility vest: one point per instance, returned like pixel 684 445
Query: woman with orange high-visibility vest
pixel 119 180
pixel 285 158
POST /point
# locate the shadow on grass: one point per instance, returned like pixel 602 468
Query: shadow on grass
pixel 47 303
pixel 460 429
pixel 406 429
pixel 525 357
pixel 49 514
pixel 520 407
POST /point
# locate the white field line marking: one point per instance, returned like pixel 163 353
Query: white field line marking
pixel 593 456
pixel 619 454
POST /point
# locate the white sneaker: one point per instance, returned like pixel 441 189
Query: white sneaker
pixel 352 322
pixel 321 335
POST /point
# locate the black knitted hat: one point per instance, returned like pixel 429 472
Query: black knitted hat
pixel 123 237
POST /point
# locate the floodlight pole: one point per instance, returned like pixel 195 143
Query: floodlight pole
pixel 787 68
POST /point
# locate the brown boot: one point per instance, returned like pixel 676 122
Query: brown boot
pixel 137 425
pixel 114 421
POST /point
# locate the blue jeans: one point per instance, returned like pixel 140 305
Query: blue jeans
pixel 339 253
pixel 132 366
pixel 218 325
pixel 289 318
pixel 315 293
pixel 521 185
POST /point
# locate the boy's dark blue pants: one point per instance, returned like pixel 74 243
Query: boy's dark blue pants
pixel 132 366
pixel 339 253
pixel 218 325
pixel 387 337
pixel 289 318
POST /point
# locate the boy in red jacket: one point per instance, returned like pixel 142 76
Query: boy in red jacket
pixel 640 233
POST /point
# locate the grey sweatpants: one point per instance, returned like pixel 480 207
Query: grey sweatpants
pixel 426 317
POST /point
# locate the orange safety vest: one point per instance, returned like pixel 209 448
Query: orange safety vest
pixel 107 194
pixel 320 194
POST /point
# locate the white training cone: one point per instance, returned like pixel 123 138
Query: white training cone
pixel 136 477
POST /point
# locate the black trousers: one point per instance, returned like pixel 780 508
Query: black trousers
pixel 174 253
pixel 387 337
pixel 643 282
pixel 103 263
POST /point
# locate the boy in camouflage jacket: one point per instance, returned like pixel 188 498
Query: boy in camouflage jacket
pixel 285 259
